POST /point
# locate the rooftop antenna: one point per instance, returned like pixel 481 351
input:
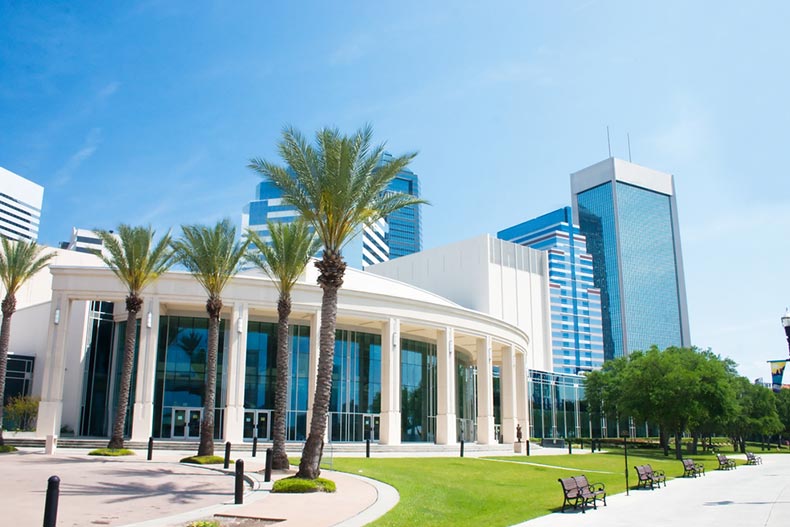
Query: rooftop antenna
pixel 629 147
pixel 608 141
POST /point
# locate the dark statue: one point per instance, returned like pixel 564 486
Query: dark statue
pixel 518 433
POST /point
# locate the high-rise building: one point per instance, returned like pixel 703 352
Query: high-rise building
pixel 405 227
pixel 20 206
pixel 628 213
pixel 83 240
pixel 396 235
pixel 576 330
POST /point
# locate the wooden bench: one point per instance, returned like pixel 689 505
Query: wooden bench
pixel 751 459
pixel 724 463
pixel 649 476
pixel 580 493
pixel 692 469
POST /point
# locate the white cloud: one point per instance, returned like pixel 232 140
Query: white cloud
pixel 64 174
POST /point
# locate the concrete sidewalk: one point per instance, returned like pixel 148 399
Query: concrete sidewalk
pixel 747 496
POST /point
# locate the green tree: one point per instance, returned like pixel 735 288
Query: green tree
pixel 212 255
pixel 19 261
pixel 756 413
pixel 284 260
pixel 783 409
pixel 137 262
pixel 338 185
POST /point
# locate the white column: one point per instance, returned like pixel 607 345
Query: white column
pixel 235 370
pixel 390 432
pixel 485 393
pixel 522 394
pixel 50 409
pixel 143 413
pixel 445 388
pixel 508 393
pixel 312 376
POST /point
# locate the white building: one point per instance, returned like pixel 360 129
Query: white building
pixel 84 241
pixel 410 365
pixel 20 206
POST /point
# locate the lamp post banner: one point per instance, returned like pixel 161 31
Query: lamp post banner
pixel 777 371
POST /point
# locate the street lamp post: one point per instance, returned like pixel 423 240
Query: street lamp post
pixel 625 452
pixel 786 324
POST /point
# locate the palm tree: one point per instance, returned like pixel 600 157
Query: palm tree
pixel 212 255
pixel 19 261
pixel 292 245
pixel 129 254
pixel 338 185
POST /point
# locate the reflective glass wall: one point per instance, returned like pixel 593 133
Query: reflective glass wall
pixel 261 376
pixel 180 377
pixel 356 386
pixel 418 391
pixel 466 397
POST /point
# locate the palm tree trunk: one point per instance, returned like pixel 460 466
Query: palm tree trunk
pixel 280 458
pixel 133 304
pixel 9 306
pixel 313 448
pixel 206 447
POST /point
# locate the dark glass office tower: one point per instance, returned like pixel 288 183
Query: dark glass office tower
pixel 628 213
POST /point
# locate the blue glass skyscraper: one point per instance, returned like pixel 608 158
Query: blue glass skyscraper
pixel 576 330
pixel 628 213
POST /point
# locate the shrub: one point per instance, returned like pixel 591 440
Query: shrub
pixel 7 448
pixel 111 452
pixel 205 460
pixel 204 523
pixel 299 486
pixel 21 412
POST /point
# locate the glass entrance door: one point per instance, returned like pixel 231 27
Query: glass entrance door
pixel 370 426
pixel 257 424
pixel 186 423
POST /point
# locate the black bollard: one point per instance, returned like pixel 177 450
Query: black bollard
pixel 367 447
pixel 581 442
pixel 51 503
pixel 267 475
pixel 254 446
pixel 462 448
pixel 239 491
pixel 528 447
pixel 227 454
pixel 592 446
pixel 570 446
pixel 150 448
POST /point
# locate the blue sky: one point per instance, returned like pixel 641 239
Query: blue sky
pixel 148 112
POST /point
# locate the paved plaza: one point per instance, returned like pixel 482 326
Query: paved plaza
pixel 163 493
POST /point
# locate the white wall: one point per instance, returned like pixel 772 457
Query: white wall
pixel 499 278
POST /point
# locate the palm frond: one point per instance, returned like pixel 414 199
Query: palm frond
pixel 19 261
pixel 284 260
pixel 129 255
pixel 211 254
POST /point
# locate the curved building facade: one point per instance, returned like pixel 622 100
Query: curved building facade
pixel 409 365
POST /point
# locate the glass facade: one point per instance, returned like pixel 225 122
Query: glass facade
pixel 576 318
pixel 356 385
pixel 260 379
pixel 418 391
pixel 180 377
pixel 466 397
pixel 629 233
pixel 97 375
pixel 404 235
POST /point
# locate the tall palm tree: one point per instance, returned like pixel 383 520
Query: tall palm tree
pixel 212 255
pixel 137 262
pixel 292 245
pixel 338 185
pixel 19 261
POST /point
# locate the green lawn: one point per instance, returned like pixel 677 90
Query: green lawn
pixel 495 491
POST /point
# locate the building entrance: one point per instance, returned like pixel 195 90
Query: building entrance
pixel 257 424
pixel 370 424
pixel 186 423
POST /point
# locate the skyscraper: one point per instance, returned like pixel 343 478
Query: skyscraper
pixel 576 330
pixel 396 235
pixel 628 213
pixel 20 206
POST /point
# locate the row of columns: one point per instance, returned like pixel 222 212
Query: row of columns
pixel 514 403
